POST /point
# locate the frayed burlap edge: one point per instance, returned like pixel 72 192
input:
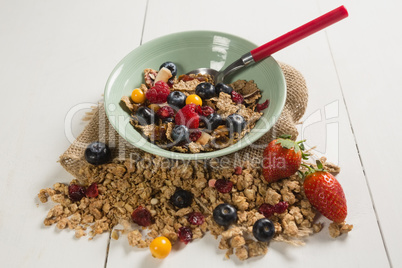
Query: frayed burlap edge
pixel 99 129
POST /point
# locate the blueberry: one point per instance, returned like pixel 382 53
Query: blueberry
pixel 205 90
pixel 225 214
pixel 171 66
pixel 235 123
pixel 212 121
pixel 263 230
pixel 181 198
pixel 221 87
pixel 97 153
pixel 180 133
pixel 176 99
pixel 145 116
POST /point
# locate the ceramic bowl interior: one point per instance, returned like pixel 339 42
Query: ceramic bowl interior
pixel 192 50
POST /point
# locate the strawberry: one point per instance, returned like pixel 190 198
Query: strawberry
pixel 325 193
pixel 282 158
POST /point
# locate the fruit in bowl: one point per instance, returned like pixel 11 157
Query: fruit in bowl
pixel 190 50
pixel 189 114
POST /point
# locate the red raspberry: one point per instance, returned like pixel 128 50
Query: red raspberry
pixel 195 134
pixel 204 110
pixel 92 190
pixel 165 112
pixel 266 210
pixel 238 170
pixel 196 218
pixel 281 207
pixel 187 116
pixel 185 235
pixel 262 106
pixel 237 97
pixel 158 93
pixel 141 216
pixel 223 186
pixel 76 192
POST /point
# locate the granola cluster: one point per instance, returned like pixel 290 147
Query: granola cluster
pixel 125 185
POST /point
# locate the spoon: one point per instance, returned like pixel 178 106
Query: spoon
pixel 277 44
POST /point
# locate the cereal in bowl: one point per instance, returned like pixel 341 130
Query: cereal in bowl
pixel 190 114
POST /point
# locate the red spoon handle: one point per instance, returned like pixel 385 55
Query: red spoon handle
pixel 299 33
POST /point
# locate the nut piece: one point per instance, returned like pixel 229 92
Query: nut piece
pixel 204 139
pixel 164 75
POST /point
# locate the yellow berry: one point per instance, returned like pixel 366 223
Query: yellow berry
pixel 193 98
pixel 138 95
pixel 160 247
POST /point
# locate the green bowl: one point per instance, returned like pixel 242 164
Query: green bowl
pixel 192 50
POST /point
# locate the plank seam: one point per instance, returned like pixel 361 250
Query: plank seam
pixel 358 151
pixel 107 249
pixel 144 22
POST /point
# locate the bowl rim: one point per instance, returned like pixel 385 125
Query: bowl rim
pixel 196 156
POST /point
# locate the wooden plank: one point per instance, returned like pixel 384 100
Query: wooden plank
pixel 367 54
pixel 54 55
pixel 363 247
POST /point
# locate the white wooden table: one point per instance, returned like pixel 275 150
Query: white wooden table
pixel 55 57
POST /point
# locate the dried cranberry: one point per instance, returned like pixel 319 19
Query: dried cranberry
pixel 223 186
pixel 170 82
pixel 76 192
pixel 262 106
pixel 238 170
pixel 196 218
pixel 195 134
pixel 92 190
pixel 185 235
pixel 266 210
pixel 165 112
pixel 185 78
pixel 237 97
pixel 281 207
pixel 205 110
pixel 141 216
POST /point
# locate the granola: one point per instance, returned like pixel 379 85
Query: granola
pixel 125 185
pixel 158 128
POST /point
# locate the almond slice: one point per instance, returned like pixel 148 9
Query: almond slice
pixel 164 75
pixel 205 137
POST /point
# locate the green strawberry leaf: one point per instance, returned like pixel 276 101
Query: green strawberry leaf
pixel 302 146
pixel 319 165
pixel 288 144
pixel 305 156
pixel 285 136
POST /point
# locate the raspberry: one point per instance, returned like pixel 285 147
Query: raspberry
pixel 92 190
pixel 165 112
pixel 237 97
pixel 158 93
pixel 223 186
pixel 195 134
pixel 76 192
pixel 281 207
pixel 141 216
pixel 188 117
pixel 205 110
pixel 266 210
pixel 238 170
pixel 196 218
pixel 185 235
pixel 262 106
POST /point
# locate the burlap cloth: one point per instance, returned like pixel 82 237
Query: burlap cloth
pixel 99 129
